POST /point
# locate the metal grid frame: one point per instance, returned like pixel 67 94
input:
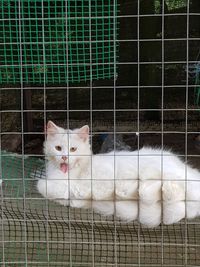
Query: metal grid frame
pixel 52 235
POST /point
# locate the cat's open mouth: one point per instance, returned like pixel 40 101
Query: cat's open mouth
pixel 64 167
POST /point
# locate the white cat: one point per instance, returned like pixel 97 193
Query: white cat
pixel 148 185
pixel 70 167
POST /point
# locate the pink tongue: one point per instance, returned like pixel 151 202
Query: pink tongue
pixel 64 167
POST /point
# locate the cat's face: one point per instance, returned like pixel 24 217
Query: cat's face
pixel 68 149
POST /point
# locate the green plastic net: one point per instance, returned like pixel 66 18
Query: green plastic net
pixel 56 42
pixel 19 173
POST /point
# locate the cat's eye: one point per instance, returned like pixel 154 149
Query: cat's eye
pixel 73 149
pixel 59 148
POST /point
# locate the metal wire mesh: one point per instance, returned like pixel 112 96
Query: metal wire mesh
pixel 80 229
pixel 150 102
pixel 104 235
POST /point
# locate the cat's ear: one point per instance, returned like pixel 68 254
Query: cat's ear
pixel 83 133
pixel 51 128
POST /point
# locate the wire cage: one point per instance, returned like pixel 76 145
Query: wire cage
pixel 143 93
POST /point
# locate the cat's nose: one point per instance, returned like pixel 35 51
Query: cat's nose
pixel 64 157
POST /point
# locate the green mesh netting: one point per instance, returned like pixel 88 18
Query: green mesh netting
pixel 56 41
pixel 19 172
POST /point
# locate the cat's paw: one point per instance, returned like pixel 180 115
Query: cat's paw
pixel 80 190
pixel 150 191
pixel 53 190
pixel 192 209
pixel 106 208
pixel 127 210
pixel 63 202
pixel 84 204
pixel 103 190
pixel 173 212
pixel 172 191
pixel 150 215
pixel 126 190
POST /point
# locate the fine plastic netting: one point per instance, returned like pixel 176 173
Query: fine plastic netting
pixel 57 41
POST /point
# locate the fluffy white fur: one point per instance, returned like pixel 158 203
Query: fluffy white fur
pixel 150 185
